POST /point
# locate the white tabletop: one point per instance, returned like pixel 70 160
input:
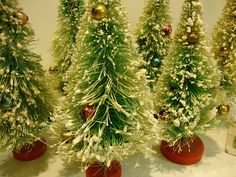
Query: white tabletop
pixel 215 163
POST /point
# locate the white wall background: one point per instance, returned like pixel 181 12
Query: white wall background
pixel 43 16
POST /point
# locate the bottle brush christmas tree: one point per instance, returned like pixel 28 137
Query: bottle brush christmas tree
pixel 24 99
pixel 224 48
pixel 69 16
pixel 108 110
pixel 188 96
pixel 153 37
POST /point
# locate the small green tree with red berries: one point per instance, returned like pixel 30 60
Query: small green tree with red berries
pixel 69 16
pixel 25 102
pixel 224 48
pixel 108 110
pixel 189 98
pixel 153 37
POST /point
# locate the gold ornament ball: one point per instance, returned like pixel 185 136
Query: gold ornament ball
pixel 66 136
pixel 222 52
pixel 22 17
pixel 234 10
pixel 223 109
pixel 234 13
pixel 37 92
pixel 99 11
pixel 192 38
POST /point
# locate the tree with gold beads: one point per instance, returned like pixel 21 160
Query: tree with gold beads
pixel 154 36
pixel 224 48
pixel 69 16
pixel 25 101
pixel 108 110
pixel 188 98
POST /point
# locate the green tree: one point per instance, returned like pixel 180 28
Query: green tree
pixel 108 107
pixel 153 37
pixel 69 16
pixel 188 91
pixel 224 47
pixel 24 99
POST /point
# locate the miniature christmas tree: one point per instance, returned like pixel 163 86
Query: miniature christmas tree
pixel 69 16
pixel 224 48
pixel 108 108
pixel 24 99
pixel 153 37
pixel 188 92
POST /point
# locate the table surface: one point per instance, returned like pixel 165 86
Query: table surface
pixel 215 163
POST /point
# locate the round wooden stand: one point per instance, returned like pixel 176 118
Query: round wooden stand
pixel 97 169
pixel 30 151
pixel 188 155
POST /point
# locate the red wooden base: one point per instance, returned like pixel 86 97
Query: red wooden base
pixel 188 155
pixel 100 170
pixel 30 151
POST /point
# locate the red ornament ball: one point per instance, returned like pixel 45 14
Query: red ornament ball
pixel 87 112
pixel 164 115
pixel 22 17
pixel 52 69
pixel 168 30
